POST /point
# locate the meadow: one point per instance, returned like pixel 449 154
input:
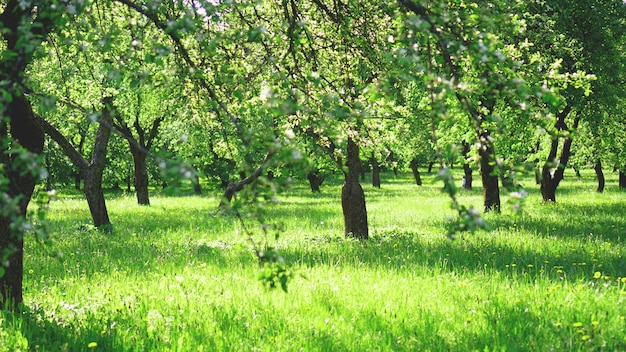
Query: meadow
pixel 178 276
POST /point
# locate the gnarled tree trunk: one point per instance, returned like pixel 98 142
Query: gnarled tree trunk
pixel 469 178
pixel 577 171
pixel 537 175
pixel 93 175
pixel 139 149
pixel 353 197
pixel 91 171
pixel 550 179
pixel 95 198
pixel 24 26
pixel 21 184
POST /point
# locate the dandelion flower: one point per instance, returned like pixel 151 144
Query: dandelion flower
pixel 597 275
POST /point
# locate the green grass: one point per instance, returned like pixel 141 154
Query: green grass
pixel 176 276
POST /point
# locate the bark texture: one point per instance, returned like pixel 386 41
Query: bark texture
pixel 93 175
pixel 23 130
pixel 550 178
pixel 91 170
pixel 140 172
pixel 24 27
pixel 353 197
pixel 139 142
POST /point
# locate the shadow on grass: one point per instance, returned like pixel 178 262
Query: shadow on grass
pixel 52 334
pixel 140 243
pixel 396 251
pixel 605 222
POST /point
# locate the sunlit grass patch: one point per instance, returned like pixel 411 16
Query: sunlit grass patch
pixel 178 276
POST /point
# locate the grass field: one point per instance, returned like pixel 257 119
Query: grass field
pixel 177 276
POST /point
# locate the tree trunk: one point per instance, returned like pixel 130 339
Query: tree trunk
pixel 91 171
pixel 550 179
pixel 375 171
pixel 95 198
pixel 93 175
pixel 140 178
pixel 228 195
pixel 416 172
pixel 49 185
pixel 353 197
pixel 537 175
pixel 197 189
pixel 507 181
pixel 467 169
pixel 430 167
pixel 235 187
pixel 315 180
pixel 362 170
pixel 21 184
pixel 391 158
pixel 139 149
pixel 491 188
pixel 467 172
pixel 600 174
pixel 77 178
pixel 622 179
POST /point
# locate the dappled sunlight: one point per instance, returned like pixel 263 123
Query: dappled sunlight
pixel 181 263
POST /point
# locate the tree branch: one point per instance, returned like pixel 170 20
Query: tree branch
pixel 77 159
pixel 182 50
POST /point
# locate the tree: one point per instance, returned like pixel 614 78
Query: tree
pixel 25 27
pixel 589 38
pixel 466 59
pixel 140 143
pixel 352 196
pixel 91 170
